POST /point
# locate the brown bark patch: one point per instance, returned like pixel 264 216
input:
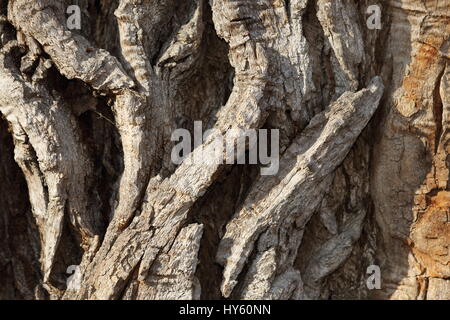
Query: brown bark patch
pixel 422 69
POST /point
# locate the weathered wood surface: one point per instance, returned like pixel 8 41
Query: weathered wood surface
pixel 363 180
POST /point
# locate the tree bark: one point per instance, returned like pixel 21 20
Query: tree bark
pixel 87 179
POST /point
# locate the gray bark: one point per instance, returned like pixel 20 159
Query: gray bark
pixel 86 177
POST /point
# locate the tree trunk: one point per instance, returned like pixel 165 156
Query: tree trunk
pixel 87 180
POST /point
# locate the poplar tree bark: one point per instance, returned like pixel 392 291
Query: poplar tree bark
pixel 87 180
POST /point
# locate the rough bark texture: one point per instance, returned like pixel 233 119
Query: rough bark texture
pixel 86 176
